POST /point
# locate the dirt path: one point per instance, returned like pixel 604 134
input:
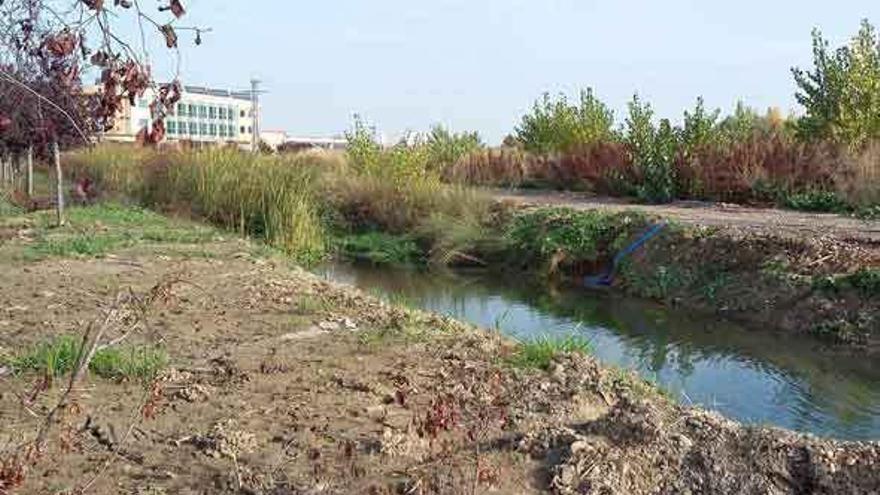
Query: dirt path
pixel 761 221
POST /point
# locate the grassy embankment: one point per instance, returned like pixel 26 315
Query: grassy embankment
pixel 389 206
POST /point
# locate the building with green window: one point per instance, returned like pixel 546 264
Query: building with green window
pixel 203 116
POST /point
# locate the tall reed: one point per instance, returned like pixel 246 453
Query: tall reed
pixel 273 197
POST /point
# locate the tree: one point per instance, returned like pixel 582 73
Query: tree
pixel 555 125
pixel 653 151
pixel 46 46
pixel 841 94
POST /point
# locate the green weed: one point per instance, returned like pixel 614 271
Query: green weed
pixel 539 353
pixel 560 235
pixel 142 363
pixel 77 245
pixel 866 281
pixel 817 201
pixel 59 356
pixel 379 248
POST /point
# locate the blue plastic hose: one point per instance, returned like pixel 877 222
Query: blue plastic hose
pixel 607 278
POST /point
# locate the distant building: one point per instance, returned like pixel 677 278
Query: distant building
pixel 294 143
pixel 202 116
pixel 273 138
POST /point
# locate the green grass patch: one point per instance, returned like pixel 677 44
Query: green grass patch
pixel 94 231
pixel 539 353
pixel 7 207
pixel 77 245
pixel 58 357
pixel 380 248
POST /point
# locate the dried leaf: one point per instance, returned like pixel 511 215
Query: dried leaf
pixel 94 4
pixel 170 35
pixel 177 8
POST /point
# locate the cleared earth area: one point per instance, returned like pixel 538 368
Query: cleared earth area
pixel 275 381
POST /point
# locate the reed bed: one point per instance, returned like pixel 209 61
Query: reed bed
pixel 272 197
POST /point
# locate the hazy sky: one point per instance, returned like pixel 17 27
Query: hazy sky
pixel 479 64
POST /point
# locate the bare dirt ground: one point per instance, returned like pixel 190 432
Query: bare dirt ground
pixel 281 383
pixel 748 220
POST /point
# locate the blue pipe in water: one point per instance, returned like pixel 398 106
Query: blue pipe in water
pixel 605 279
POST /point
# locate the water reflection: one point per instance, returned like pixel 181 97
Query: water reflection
pixel 747 374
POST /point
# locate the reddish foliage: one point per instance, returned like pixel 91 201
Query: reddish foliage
pixel 752 170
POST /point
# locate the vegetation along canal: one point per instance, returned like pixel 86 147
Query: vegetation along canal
pixel 746 374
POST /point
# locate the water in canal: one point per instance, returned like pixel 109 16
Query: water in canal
pixel 749 375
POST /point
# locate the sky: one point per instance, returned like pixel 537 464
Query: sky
pixel 480 64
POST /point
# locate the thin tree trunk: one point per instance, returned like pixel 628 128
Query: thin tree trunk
pixel 30 171
pixel 2 168
pixel 14 169
pixel 59 184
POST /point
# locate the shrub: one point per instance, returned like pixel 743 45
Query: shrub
pixel 363 148
pixel 563 238
pixel 765 167
pixel 446 148
pixel 605 167
pixel 859 180
pixel 818 201
pixel 491 167
pixel 555 125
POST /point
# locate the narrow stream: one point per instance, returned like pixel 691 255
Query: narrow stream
pixel 749 375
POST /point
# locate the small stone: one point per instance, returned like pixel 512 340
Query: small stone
pixel 566 475
pixel 328 326
pixel 580 446
pixel 377 413
pixel 684 442
pixel 558 373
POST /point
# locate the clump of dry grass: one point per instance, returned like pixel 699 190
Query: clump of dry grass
pixel 601 167
pixel 859 181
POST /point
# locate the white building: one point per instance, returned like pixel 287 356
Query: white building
pixel 202 116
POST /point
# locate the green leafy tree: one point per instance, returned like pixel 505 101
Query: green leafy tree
pixel 639 131
pixel 556 125
pixel 700 128
pixel 841 94
pixel 364 151
pixel 742 124
pixel 653 150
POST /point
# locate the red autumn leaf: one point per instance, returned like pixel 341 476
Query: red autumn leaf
pixel 99 59
pixel 5 123
pixel 177 8
pixel 94 4
pixel 61 44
